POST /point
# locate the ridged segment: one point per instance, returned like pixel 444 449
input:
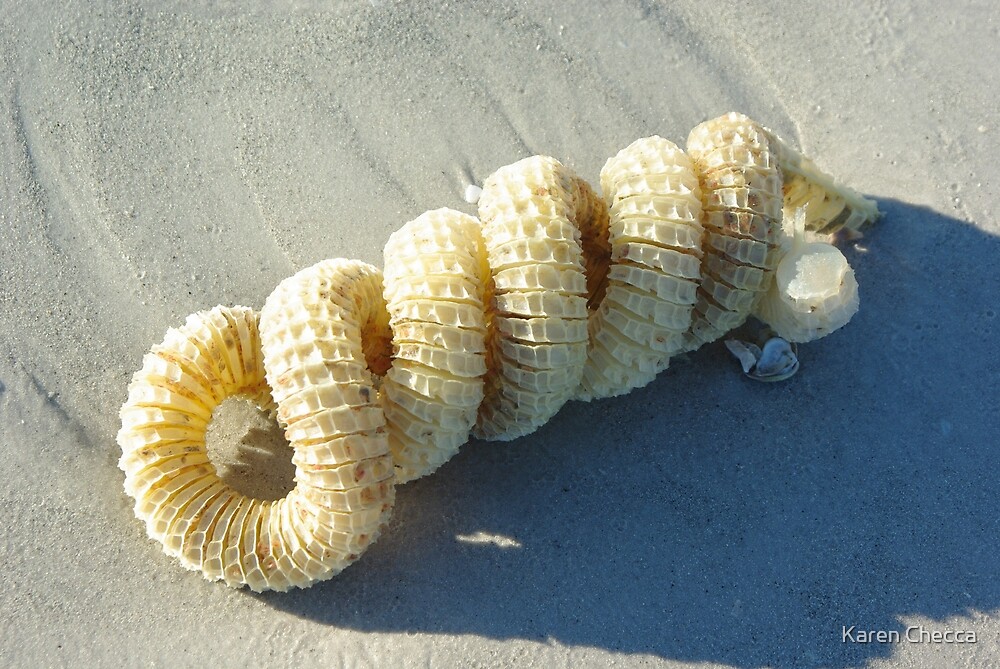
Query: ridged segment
pixel 742 198
pixel 325 337
pixel 654 201
pixel 198 518
pixel 538 219
pixel 829 207
pixel 437 314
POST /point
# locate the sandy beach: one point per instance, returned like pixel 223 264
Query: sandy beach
pixel 157 160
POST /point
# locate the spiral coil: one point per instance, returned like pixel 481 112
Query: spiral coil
pixel 484 326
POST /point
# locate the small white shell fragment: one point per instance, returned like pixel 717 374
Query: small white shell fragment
pixel 748 354
pixel 472 193
pixel 776 361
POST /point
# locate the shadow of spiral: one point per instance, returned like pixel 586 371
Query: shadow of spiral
pixel 708 518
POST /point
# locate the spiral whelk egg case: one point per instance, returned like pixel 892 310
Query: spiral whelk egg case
pixel 480 326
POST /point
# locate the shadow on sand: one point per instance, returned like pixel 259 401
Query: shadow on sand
pixel 710 518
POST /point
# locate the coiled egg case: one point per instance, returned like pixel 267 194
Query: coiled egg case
pixel 484 326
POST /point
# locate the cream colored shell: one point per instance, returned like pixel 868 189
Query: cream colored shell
pixel 535 215
pixel 814 291
pixel 207 525
pixel 324 335
pixel 489 327
pixel 830 207
pixel 655 236
pixel 742 197
pixel 436 280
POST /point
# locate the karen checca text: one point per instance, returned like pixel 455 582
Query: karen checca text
pixel 912 634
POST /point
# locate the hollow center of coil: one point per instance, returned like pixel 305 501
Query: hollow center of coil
pixel 249 451
pixel 376 340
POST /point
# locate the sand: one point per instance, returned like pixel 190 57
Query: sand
pixel 156 160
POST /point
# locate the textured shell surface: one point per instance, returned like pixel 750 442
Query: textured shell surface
pixel 533 214
pixel 426 426
pixel 814 291
pixel 742 195
pixel 200 520
pixel 654 202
